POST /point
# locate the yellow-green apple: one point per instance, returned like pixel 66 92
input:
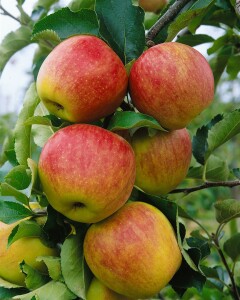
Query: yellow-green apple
pixel 27 249
pixel 87 172
pixel 98 291
pixel 173 83
pixel 82 80
pixel 134 252
pixel 162 160
pixel 152 5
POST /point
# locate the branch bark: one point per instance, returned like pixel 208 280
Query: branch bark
pixel 170 14
pixel 205 185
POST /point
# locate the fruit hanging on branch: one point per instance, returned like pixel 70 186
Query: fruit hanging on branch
pixel 26 249
pixel 82 80
pixel 173 83
pixel 87 172
pixel 133 252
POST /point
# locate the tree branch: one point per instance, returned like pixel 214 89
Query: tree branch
pixel 206 185
pixel 170 14
pixel 6 13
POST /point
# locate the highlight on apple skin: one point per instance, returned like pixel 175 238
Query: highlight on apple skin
pixel 82 80
pixel 98 291
pixel 27 249
pixel 87 172
pixel 152 5
pixel 162 160
pixel 134 252
pixel 173 83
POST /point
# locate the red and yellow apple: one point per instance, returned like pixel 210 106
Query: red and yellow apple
pixel 152 5
pixel 82 80
pixel 98 291
pixel 162 160
pixel 87 172
pixel 134 252
pixel 27 249
pixel 173 83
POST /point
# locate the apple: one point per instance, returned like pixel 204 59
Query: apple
pixel 82 80
pixel 27 249
pixel 134 252
pixel 162 160
pixel 173 83
pixel 98 291
pixel 87 172
pixel 152 5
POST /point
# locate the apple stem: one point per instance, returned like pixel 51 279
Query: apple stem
pixel 166 18
pixel 206 185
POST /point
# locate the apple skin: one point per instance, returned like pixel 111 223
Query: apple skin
pixel 173 83
pixel 27 249
pixel 82 80
pixel 162 160
pixel 87 172
pixel 133 252
pixel 98 291
pixel 152 5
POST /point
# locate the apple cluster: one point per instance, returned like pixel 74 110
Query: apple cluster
pixel 88 172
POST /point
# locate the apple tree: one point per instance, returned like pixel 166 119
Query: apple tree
pixel 192 186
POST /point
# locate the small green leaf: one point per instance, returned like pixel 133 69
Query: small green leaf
pixel 25 228
pixel 11 212
pixel 184 18
pixel 120 25
pixel 8 190
pixel 233 66
pixel 49 35
pixel 195 39
pixel 236 172
pixel 9 293
pixel 54 266
pixel 227 209
pixel 40 120
pixel 22 133
pixel 232 247
pixel 217 170
pixel 13 42
pixel 66 23
pixel 45 3
pixel 74 269
pixel 130 119
pixel 76 5
pixel 18 177
pixel 51 290
pixel 34 279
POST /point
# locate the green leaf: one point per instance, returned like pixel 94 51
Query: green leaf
pixel 8 190
pixel 236 172
pixel 76 5
pixel 22 133
pixel 195 39
pixel 130 119
pixel 8 294
pixel 11 212
pixel 40 120
pixel 18 177
pixel 54 266
pixel 34 279
pixel 217 170
pixel 13 42
pixel 67 23
pixel 74 269
pixel 215 276
pixel 120 25
pixel 233 66
pixel 184 18
pixel 45 3
pixel 51 290
pixel 232 247
pixel 227 210
pixel 49 35
pixel 25 228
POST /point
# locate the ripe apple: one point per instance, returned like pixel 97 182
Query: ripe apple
pixel 87 172
pixel 27 249
pixel 173 83
pixel 134 252
pixel 152 5
pixel 162 160
pixel 82 80
pixel 98 291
